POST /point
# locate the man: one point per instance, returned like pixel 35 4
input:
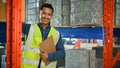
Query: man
pixel 35 34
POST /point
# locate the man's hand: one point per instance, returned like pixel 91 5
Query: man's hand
pixel 44 55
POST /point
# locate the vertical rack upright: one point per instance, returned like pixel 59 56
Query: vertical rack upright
pixel 14 32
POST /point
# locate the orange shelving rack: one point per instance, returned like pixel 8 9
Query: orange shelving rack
pixel 108 60
pixel 14 32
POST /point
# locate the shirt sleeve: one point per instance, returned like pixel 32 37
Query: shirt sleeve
pixel 60 52
pixel 25 28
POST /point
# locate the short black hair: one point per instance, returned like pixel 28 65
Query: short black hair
pixel 48 6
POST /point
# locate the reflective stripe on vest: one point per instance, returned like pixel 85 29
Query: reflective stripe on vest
pixel 30 61
pixel 51 65
pixel 31 49
pixel 57 37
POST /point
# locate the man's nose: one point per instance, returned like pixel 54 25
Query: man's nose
pixel 46 16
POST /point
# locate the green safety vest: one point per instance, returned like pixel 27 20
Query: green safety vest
pixel 31 49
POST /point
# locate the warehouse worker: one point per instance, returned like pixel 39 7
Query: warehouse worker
pixel 32 56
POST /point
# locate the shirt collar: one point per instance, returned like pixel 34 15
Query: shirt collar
pixel 48 27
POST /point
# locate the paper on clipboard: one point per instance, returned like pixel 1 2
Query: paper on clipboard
pixel 48 46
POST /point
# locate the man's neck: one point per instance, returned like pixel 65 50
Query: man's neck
pixel 44 26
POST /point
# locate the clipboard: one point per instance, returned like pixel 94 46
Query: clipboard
pixel 48 46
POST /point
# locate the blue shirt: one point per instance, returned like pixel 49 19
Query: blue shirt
pixel 60 51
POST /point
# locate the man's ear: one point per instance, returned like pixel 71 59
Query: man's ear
pixel 39 13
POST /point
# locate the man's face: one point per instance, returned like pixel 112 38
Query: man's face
pixel 46 15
